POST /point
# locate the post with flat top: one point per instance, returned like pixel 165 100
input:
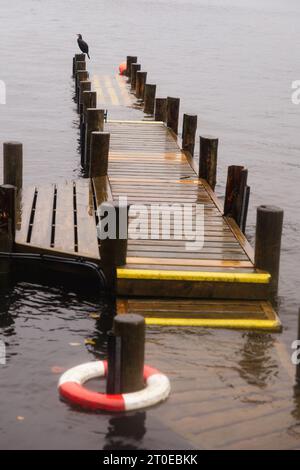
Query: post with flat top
pixel 83 86
pixel 130 60
pixel 113 234
pixel 134 69
pixel 7 225
pixel 149 98
pixel 99 154
pixel 77 58
pixel 94 122
pixel 81 76
pixel 173 105
pixel 89 100
pixel 237 195
pixel 189 129
pixel 269 225
pixel 160 109
pixel 141 78
pixel 208 160
pixel 13 164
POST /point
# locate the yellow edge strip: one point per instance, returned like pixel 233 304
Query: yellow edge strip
pixel 271 325
pixel 257 278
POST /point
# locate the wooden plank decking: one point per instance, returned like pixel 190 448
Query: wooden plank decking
pixel 147 166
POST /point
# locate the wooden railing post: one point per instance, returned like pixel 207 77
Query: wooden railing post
pixel 99 154
pixel 113 234
pixel 173 105
pixel 130 330
pixel 130 60
pixel 134 69
pixel 89 100
pixel 149 98
pixel 77 58
pixel 13 164
pixel 83 86
pixel 269 225
pixel 94 122
pixel 160 109
pixel 81 76
pixel 237 195
pixel 208 159
pixel 141 78
pixel 189 129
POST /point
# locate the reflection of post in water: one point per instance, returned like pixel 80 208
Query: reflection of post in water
pixel 126 432
pixel 256 363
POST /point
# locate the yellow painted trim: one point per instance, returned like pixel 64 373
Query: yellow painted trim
pixel 257 278
pixel 116 121
pixel 247 324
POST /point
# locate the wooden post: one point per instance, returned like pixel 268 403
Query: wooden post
pixel 134 69
pixel 173 113
pixel 80 65
pixel 269 225
pixel 77 58
pixel 149 98
pixel 141 78
pixel 208 160
pixel 131 330
pixel 13 164
pixel 81 76
pixel 160 109
pixel 113 234
pixel 7 226
pixel 189 129
pixel 99 154
pixel 94 122
pixel 83 86
pixel 236 194
pixel 130 60
pixel 89 100
pixel 113 381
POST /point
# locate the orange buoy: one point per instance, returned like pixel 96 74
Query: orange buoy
pixel 122 68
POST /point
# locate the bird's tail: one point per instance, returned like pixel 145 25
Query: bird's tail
pixel 88 55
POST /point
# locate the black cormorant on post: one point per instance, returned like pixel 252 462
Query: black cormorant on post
pixel 83 45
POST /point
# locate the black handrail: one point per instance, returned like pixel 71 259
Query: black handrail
pixel 58 259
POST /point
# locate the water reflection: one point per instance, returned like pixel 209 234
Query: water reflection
pixel 126 432
pixel 256 364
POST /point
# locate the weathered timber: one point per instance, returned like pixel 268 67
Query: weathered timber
pixel 99 154
pixel 236 194
pixel 94 122
pixel 269 225
pixel 160 109
pixel 13 164
pixel 141 78
pixel 134 69
pixel 189 129
pixel 130 60
pixel 149 98
pixel 208 160
pixel 173 105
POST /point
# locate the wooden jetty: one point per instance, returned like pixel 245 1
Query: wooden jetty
pixel 147 164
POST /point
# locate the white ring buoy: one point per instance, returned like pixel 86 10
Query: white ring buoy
pixel 71 388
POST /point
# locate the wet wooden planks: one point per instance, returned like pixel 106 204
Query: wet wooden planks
pixel 147 166
pixel 61 217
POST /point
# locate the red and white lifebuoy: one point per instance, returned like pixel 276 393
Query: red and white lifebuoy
pixel 71 388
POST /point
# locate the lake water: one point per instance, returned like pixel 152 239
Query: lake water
pixel 232 62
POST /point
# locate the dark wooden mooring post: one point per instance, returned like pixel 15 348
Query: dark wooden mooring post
pixel 13 164
pixel 81 76
pixel 83 86
pixel 173 105
pixel 141 78
pixel 94 122
pixel 134 69
pixel 89 100
pixel 208 158
pixel 130 60
pixel 128 369
pixel 269 225
pixel 237 195
pixel 113 234
pixel 7 225
pixel 160 109
pixel 189 129
pixel 99 154
pixel 77 58
pixel 149 98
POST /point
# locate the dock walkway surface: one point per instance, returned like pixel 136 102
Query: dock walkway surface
pixel 147 165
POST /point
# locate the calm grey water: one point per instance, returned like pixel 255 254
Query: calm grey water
pixel 230 61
